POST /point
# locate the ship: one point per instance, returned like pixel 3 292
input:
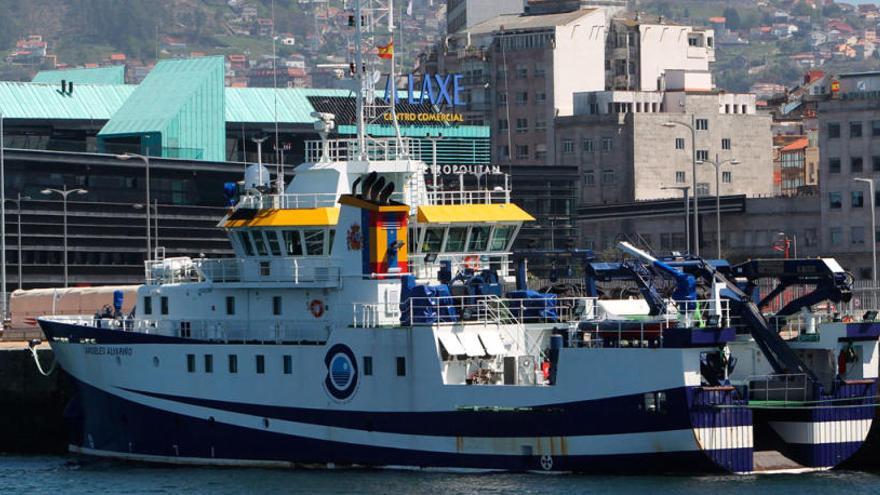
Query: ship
pixel 370 318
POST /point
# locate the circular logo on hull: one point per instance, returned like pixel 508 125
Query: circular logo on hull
pixel 342 373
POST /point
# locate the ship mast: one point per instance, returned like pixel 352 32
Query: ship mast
pixel 369 16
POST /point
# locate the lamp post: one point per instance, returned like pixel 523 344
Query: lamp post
pixel 870 183
pixel 717 164
pixel 155 210
pixel 64 193
pixel 17 202
pixel 793 243
pixel 146 160
pixel 687 213
pixel 692 127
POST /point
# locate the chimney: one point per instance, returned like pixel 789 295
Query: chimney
pixel 70 89
pixel 64 86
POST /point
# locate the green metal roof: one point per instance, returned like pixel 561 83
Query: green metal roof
pixel 98 75
pixel 257 105
pixel 22 100
pixel 181 102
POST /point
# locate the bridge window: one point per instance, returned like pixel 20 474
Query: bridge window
pixel 272 240
pixel 500 237
pixel 479 239
pixel 246 243
pixel 261 364
pixel 209 363
pixel 293 243
pixel 455 239
pixel 368 365
pixel 288 364
pixel 230 305
pixel 233 363
pixel 148 305
pixel 433 240
pixel 191 363
pixel 163 305
pixel 276 305
pixel 401 366
pixel 314 242
pixel 260 244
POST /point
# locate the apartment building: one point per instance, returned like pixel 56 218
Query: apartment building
pixel 849 148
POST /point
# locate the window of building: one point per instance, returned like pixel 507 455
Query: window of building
pixel 834 165
pixel 679 143
pixel 230 305
pixel 191 363
pixel 589 178
pixel 858 199
pixel 522 97
pixel 540 125
pixel 261 364
pixel 875 128
pixel 502 98
pixel 702 124
pixel 857 235
pixel 522 72
pixel 233 363
pixel 855 164
pixel 568 146
pixel 727 177
pixel 148 305
pixel 725 143
pixel 834 200
pixel 287 361
pixel 836 236
pixel 607 144
pixel 522 152
pixel 702 188
pixel 855 129
pixel 540 97
pixel 680 177
pixel 522 125
pixel 540 151
pixel 539 71
pixel 502 124
pixel 587 145
pixel 503 151
pixel 608 177
pixel 276 305
pixel 875 163
pixel 401 366
pixel 368 365
pixel 876 199
pixel 703 155
pixel 163 305
pixel 209 363
pixel 833 130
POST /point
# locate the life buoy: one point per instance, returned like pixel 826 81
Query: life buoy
pixel 472 262
pixel 317 308
pixel 847 319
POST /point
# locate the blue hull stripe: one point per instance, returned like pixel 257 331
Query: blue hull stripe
pixel 106 422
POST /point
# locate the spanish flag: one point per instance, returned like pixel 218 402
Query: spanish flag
pixel 386 51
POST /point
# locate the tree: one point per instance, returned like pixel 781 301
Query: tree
pixel 734 22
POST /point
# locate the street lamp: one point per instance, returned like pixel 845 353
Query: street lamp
pixel 692 127
pixel 146 160
pixel 64 193
pixel 155 209
pixel 870 183
pixel 17 202
pixel 718 163
pixel 687 213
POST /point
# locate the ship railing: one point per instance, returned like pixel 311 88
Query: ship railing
pixel 346 149
pixel 499 261
pixel 779 387
pixel 646 331
pixel 294 270
pixel 306 329
pixel 805 327
pixel 470 196
pixel 287 201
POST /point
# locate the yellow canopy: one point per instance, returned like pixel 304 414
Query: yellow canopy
pixel 303 217
pixel 473 213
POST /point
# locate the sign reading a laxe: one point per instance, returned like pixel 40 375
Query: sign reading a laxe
pixel 433 89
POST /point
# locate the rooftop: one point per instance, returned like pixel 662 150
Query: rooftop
pixel 524 22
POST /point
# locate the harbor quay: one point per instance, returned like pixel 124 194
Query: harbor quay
pixel 31 405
